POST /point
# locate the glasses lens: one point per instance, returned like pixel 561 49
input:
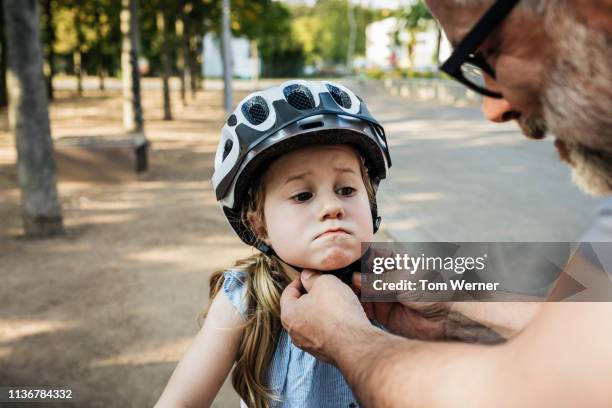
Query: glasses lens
pixel 473 73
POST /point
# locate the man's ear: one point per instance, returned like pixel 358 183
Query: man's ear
pixel 257 226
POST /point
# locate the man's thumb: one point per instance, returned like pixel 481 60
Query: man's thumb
pixel 308 278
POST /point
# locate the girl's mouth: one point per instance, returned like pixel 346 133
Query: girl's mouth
pixel 332 232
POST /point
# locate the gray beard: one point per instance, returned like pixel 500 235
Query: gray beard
pixel 577 103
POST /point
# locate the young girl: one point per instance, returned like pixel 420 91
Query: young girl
pixel 296 174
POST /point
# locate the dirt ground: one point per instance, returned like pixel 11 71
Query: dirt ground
pixel 108 309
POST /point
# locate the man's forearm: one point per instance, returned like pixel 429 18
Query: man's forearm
pixel 488 323
pixel 384 370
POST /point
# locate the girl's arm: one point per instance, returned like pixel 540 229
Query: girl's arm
pixel 204 367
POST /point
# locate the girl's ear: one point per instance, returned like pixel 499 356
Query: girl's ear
pixel 257 226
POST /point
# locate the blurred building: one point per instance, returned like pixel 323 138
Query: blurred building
pixel 244 58
pixel 387 44
pixel 390 45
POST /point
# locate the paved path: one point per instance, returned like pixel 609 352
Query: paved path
pixel 456 177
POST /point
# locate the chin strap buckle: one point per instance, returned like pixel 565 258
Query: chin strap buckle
pixel 265 249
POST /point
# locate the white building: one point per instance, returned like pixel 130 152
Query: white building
pixel 386 44
pixel 425 49
pixel 388 41
pixel 245 65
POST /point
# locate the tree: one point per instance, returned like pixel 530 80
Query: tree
pixel 3 89
pixel 162 26
pixel 325 31
pixel 28 110
pixel 182 61
pixel 98 11
pixel 351 38
pixel 49 39
pixel 416 17
pixel 78 50
pixel 132 107
pixel 228 67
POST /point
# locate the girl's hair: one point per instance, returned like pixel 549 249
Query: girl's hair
pixel 266 280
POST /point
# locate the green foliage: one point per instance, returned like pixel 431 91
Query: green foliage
pixel 99 36
pixel 323 30
pixel 416 16
pixel 288 37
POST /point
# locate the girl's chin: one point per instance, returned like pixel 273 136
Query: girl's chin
pixel 336 257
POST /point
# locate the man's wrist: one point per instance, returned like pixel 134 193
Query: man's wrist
pixel 349 344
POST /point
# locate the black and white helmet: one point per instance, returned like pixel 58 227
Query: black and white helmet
pixel 274 121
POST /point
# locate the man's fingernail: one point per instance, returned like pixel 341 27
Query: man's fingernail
pixel 307 274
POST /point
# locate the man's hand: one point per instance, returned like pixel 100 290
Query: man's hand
pixel 323 318
pixel 417 320
pixel 429 320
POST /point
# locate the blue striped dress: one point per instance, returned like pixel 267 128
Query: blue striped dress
pixel 296 376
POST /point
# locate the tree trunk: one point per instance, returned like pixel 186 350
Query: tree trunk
pixel 132 108
pixel 162 25
pixel 351 39
pixel 196 46
pixel 182 32
pixel 195 63
pixel 3 57
pixel 50 40
pixel 99 51
pixel 438 43
pixel 255 56
pixel 77 55
pixel 226 45
pixel 28 110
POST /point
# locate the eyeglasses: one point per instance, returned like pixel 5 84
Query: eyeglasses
pixel 469 67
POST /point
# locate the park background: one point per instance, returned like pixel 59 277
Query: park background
pixel 109 121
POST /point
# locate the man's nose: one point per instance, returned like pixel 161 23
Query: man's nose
pixel 497 110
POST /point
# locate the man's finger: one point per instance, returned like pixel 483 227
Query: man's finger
pixel 357 280
pixel 308 278
pixel 291 293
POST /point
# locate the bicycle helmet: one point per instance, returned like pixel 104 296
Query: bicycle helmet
pixel 274 121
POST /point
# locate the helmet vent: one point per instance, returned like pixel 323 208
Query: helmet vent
pixel 299 97
pixel 340 96
pixel 231 121
pixel 255 110
pixel 227 148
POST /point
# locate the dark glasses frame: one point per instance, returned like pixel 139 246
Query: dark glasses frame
pixel 464 52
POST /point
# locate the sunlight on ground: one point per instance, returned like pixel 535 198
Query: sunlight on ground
pixel 165 353
pixel 12 330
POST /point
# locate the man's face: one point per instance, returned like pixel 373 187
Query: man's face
pixel 519 51
pixel 554 74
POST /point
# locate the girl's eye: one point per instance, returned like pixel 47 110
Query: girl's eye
pixel 301 197
pixel 345 191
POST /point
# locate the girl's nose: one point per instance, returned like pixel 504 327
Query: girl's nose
pixel 332 208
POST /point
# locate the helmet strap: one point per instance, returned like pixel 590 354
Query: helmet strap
pixel 344 274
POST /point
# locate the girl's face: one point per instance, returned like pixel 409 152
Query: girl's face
pixel 316 207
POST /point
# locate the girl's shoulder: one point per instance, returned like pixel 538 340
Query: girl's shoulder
pixel 234 287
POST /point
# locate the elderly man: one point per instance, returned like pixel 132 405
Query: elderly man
pixel 545 64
